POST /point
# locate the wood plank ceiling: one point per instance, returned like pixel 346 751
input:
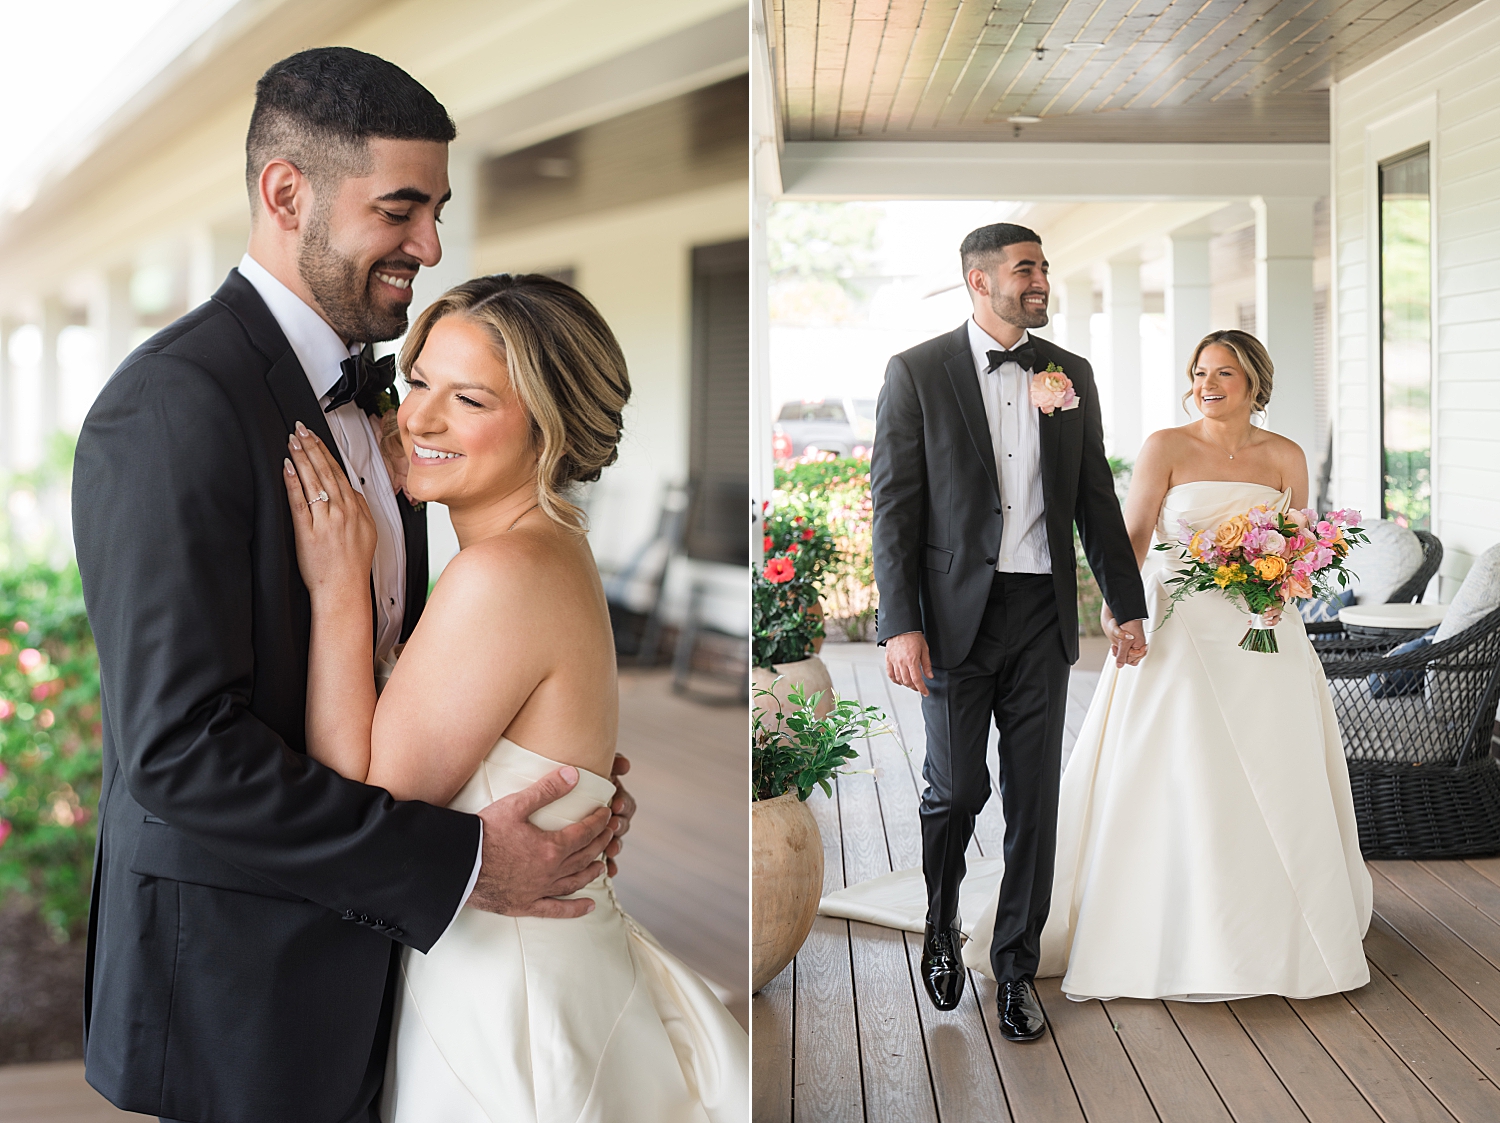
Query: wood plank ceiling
pixel 1187 71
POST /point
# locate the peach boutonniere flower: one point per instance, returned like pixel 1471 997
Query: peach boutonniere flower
pixel 1051 389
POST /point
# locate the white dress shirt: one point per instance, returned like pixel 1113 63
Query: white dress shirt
pixel 320 351
pixel 1015 433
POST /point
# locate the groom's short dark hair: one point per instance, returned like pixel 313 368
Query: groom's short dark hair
pixel 319 108
pixel 980 245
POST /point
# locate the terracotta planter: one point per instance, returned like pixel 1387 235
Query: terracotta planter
pixel 786 882
pixel 816 613
pixel 810 672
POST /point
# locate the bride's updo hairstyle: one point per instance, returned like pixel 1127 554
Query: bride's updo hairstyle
pixel 1253 358
pixel 565 364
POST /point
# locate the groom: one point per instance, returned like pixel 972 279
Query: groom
pixel 990 447
pixel 249 905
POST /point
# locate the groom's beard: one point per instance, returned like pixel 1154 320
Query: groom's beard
pixel 1013 312
pixel 343 290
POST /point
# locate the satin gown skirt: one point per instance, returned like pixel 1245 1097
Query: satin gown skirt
pixel 531 1020
pixel 1206 841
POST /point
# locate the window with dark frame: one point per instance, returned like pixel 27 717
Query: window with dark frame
pixel 1406 339
pixel 719 447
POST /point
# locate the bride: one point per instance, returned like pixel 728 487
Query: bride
pixel 1206 842
pixel 516 391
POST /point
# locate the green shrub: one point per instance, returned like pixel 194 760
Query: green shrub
pixel 835 491
pixel 50 747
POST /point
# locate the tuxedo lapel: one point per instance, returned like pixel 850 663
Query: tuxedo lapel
pixel 965 380
pixel 285 377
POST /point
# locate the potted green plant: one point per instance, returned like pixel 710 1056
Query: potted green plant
pixel 790 757
pixel 787 617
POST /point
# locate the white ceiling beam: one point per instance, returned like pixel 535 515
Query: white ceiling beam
pixel 676 64
pixel 862 169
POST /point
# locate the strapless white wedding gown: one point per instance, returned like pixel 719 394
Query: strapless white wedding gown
pixel 1206 841
pixel 529 1020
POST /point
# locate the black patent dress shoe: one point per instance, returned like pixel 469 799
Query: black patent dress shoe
pixel 1021 1017
pixel 943 967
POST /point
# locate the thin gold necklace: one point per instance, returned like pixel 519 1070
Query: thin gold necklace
pixel 534 506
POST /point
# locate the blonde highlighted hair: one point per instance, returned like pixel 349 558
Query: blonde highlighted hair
pixel 565 365
pixel 1253 358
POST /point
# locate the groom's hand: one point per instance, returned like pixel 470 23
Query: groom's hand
pixel 524 869
pixel 623 806
pixel 907 662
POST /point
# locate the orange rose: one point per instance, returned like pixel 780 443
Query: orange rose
pixel 1231 533
pixel 1271 567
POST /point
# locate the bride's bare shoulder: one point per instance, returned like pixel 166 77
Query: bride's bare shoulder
pixel 525 560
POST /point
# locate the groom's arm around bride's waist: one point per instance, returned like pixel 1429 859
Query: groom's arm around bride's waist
pixel 201 623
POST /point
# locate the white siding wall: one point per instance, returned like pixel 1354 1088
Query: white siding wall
pixel 1442 89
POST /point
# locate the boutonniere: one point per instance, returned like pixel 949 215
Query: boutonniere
pixel 1051 389
pixel 388 437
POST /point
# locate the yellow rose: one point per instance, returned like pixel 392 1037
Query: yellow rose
pixel 1231 533
pixel 1270 567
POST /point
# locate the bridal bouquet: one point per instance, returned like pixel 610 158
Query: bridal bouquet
pixel 1264 559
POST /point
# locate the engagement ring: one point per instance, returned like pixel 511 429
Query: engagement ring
pixel 321 497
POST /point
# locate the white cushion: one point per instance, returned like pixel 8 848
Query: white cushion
pixel 1477 597
pixel 1385 563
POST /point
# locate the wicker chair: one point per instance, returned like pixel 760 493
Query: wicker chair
pixel 1408 593
pixel 1425 784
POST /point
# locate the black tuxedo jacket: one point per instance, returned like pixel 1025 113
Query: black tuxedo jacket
pixel 245 898
pixel 937 499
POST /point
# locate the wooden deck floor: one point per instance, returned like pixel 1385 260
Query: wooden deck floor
pixel 846 1033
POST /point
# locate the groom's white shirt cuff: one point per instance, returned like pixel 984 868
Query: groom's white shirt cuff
pixel 473 877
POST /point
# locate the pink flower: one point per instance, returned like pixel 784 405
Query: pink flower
pixel 30 659
pixel 7 708
pixel 1351 517
pixel 1321 558
pixel 1052 390
pixel 4 830
pixel 1326 531
pixel 1294 587
pixel 1302 569
pixel 1302 519
pixel 21 626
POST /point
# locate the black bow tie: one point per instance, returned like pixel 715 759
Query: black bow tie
pixel 363 379
pixel 1024 354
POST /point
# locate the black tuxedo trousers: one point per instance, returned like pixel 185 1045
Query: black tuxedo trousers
pixel 248 903
pixel 1016 674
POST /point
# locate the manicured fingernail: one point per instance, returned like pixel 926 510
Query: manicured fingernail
pixel 295 443
pixel 291 469
pixel 589 909
pixel 570 774
pixel 302 429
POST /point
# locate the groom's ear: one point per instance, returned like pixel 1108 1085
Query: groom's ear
pixel 979 281
pixel 285 195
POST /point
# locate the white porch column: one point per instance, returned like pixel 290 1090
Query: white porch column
pixel 457 234
pixel 762 466
pixel 212 252
pixel 54 319
pixel 1284 315
pixel 1189 306
pixel 1122 303
pixel 112 317
pixel 1078 306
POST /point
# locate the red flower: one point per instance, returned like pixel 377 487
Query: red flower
pixel 779 571
pixel 768 545
pixel 793 548
pixel 807 535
